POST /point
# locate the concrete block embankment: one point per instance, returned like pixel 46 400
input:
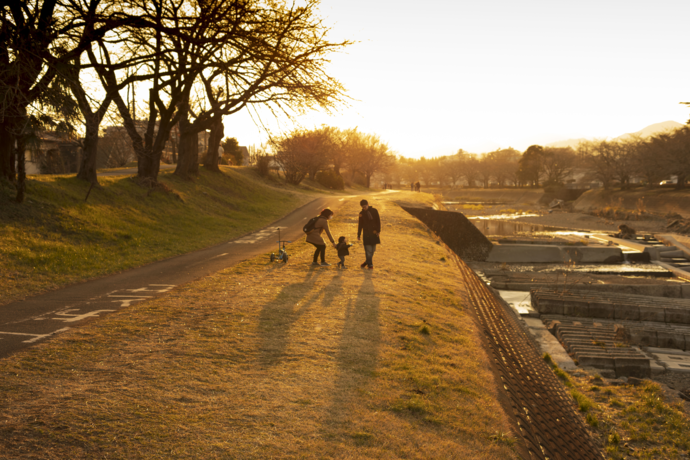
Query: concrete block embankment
pixel 548 253
pixel 456 231
pixel 637 333
pixel 677 291
pixel 612 306
pixel 595 344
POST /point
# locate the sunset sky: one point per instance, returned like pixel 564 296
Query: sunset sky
pixel 433 77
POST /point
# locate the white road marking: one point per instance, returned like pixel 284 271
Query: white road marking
pixel 36 337
pixel 71 318
pixel 219 255
pixel 255 237
pixel 128 302
pixel 146 289
pixel 137 296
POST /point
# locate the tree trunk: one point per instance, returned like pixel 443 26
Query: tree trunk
pixel 7 154
pixel 194 146
pixel 87 167
pixel 189 145
pixel 21 167
pixel 217 132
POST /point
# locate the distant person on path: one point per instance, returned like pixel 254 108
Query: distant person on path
pixel 411 186
pixel 314 236
pixel 370 225
pixel 343 251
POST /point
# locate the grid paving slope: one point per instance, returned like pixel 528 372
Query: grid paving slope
pixel 543 410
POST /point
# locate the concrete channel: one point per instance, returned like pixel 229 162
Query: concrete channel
pixel 543 413
pixel 619 308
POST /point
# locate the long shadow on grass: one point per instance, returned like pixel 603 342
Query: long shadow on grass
pixel 357 354
pixel 278 316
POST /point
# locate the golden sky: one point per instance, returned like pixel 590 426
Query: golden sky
pixel 436 76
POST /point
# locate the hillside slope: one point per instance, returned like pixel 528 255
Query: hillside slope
pixel 57 238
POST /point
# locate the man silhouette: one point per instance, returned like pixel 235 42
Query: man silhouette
pixel 370 225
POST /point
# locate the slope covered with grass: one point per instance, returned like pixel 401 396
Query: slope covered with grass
pixel 272 361
pixel 56 237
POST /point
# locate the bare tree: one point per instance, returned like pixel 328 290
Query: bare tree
pixel 369 155
pixel 455 168
pixel 673 153
pixel 292 156
pixel 277 59
pixel 557 164
pixel 599 157
pixel 505 164
pixel 116 146
pixel 38 39
pixel 471 171
pixel 486 166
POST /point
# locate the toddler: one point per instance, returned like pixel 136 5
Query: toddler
pixel 342 251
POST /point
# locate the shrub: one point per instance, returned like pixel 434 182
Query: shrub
pixel 262 162
pixel 330 179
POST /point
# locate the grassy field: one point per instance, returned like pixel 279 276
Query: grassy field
pixel 57 238
pixel 272 361
pixel 631 421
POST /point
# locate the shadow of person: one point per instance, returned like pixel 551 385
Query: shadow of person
pixel 358 349
pixel 278 315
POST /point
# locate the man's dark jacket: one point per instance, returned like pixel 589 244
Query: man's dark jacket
pixel 369 222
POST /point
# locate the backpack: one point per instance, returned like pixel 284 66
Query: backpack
pixel 309 226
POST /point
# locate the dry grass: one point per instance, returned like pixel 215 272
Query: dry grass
pixel 632 421
pixel 271 361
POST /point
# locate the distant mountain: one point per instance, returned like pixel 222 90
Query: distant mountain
pixel 648 131
pixel 651 130
pixel 567 143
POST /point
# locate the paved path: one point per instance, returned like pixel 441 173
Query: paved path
pixel 30 321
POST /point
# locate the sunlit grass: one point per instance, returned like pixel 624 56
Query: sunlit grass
pixel 272 361
pixel 56 238
pixel 634 421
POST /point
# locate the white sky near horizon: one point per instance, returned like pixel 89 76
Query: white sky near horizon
pixel 430 78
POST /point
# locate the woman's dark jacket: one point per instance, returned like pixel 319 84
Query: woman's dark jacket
pixel 369 222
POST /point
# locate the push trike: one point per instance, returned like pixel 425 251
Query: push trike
pixel 282 253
